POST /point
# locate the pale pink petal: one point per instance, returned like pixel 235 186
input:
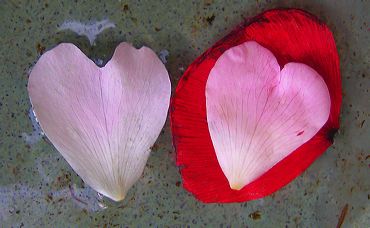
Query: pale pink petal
pixel 258 115
pixel 102 120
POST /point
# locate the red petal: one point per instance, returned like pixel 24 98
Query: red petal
pixel 293 36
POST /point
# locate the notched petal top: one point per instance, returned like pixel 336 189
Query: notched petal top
pixel 102 120
pixel 257 114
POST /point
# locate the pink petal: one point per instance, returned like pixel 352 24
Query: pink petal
pixel 102 120
pixel 257 115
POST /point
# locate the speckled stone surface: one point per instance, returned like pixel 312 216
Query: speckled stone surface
pixel 39 189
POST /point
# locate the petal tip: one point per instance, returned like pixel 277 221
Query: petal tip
pixel 236 185
pixel 118 198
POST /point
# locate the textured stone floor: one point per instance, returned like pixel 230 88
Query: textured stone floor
pixel 39 189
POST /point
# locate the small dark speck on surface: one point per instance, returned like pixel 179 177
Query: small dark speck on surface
pixel 40 48
pixel 362 123
pixel 210 19
pixel 208 2
pixel 125 7
pixel 255 215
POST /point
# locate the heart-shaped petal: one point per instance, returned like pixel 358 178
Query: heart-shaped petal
pixel 292 35
pixel 102 120
pixel 257 115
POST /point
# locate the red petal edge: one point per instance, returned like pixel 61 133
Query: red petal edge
pixel 293 36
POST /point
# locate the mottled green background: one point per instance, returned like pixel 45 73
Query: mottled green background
pixel 36 182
